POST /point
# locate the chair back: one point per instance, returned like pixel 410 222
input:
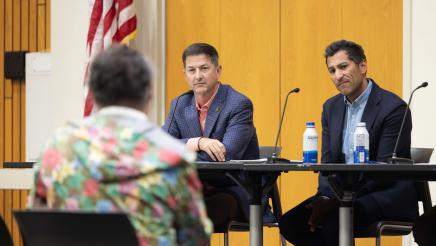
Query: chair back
pixel 49 228
pixel 422 155
pixel 424 196
pixel 5 236
pixel 267 151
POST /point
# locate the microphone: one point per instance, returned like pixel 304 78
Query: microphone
pixel 398 160
pixel 175 107
pixel 274 158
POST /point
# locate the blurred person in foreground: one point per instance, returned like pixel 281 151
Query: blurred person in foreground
pixel 117 160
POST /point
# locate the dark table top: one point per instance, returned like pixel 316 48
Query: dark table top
pixel 417 171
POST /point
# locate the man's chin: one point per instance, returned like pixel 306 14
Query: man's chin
pixel 200 91
pixel 344 91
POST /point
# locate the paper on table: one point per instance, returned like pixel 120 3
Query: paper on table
pixel 255 161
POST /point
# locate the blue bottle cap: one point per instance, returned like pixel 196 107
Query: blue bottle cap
pixel 310 123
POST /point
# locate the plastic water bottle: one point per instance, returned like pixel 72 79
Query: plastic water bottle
pixel 310 144
pixel 361 144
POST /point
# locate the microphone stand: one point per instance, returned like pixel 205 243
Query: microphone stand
pixel 399 160
pixel 175 107
pixel 274 158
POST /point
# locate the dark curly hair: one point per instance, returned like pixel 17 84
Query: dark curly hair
pixel 354 51
pixel 120 75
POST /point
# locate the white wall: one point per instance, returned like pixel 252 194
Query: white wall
pixel 420 64
pixel 419 60
pixel 69 22
pixel 70 19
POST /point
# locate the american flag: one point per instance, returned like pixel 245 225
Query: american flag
pixel 110 21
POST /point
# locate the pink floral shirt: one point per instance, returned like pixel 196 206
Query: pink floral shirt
pixel 117 160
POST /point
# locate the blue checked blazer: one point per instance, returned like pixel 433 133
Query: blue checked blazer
pixel 229 120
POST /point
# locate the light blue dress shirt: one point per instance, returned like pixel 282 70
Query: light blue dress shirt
pixel 353 115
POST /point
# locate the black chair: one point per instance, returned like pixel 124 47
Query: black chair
pixel 401 228
pixel 5 236
pixel 274 196
pixel 50 228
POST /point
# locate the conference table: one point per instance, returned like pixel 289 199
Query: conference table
pixel 260 175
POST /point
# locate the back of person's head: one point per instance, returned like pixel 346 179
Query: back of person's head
pixel 201 49
pixel 120 76
pixel 354 51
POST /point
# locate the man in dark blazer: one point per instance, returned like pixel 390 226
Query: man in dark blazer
pixel 215 121
pixel 424 228
pixel 315 221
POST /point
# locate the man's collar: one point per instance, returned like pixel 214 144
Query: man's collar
pixel 362 98
pixel 209 102
pixel 122 110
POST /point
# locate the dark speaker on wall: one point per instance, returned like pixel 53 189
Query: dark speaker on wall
pixel 15 65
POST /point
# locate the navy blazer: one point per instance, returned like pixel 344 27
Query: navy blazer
pixel 229 120
pixel 383 114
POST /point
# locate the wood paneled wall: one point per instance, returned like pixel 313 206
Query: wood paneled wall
pixel 269 47
pixel 24 26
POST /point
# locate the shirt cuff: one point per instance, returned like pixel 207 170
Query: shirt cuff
pixel 192 144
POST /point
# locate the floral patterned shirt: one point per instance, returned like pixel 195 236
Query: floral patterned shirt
pixel 117 160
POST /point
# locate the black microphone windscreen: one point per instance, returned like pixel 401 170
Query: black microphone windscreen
pixel 175 107
pixel 296 90
pixel 424 84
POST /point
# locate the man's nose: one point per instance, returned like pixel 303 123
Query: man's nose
pixel 198 74
pixel 339 74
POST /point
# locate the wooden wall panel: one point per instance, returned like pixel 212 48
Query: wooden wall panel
pixel 16 204
pixel 7 216
pixel 270 47
pixel 24 26
pixel 260 53
pixel 2 90
pixel 33 27
pixel 254 42
pixel 24 46
pixel 383 20
pixel 307 26
pixel 47 24
pixel 188 21
pixel 8 42
pixel 41 27
pixel 2 39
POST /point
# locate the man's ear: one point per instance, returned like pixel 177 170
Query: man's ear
pixel 218 70
pixel 363 66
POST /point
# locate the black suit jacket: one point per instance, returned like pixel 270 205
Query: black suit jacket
pixel 383 114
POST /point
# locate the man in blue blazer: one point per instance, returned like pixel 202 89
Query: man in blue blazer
pixel 215 121
pixel 315 221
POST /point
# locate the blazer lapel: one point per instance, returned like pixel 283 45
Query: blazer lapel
pixel 215 110
pixel 337 126
pixel 372 107
pixel 191 116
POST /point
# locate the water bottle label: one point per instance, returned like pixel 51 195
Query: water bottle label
pixel 310 143
pixel 359 140
pixel 310 156
pixel 361 155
